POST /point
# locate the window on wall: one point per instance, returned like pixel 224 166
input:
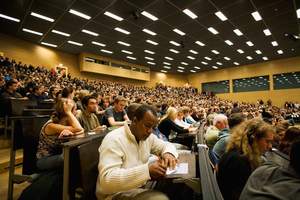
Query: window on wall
pixel 258 83
pixel 286 80
pixel 216 87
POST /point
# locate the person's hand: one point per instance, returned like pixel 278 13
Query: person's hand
pixel 157 170
pixel 192 129
pixel 168 160
pixel 100 128
pixel 65 133
pixel 68 106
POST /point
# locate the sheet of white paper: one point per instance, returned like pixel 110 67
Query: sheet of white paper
pixel 181 168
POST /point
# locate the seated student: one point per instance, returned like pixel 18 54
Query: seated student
pixel 179 119
pixel 187 115
pixel 68 92
pixel 289 136
pixel 87 117
pixel 116 115
pixel 247 143
pixel 10 91
pixel 62 123
pixel 37 93
pixel 271 181
pixel 123 162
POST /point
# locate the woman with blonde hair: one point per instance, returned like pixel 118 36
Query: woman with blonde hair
pixel 247 143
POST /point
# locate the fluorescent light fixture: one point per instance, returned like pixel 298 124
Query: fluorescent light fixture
pixel 236 63
pixel 219 63
pixel 116 17
pixel 240 51
pixel 125 51
pixel 274 43
pixel 258 52
pixel 200 43
pixel 193 51
pixel 151 63
pixel 298 13
pixel 149 58
pixel 221 16
pixel 61 33
pixel 42 17
pixel 150 52
pixel 106 51
pixel 74 43
pixel 163 71
pixel 174 43
pixel 249 57
pixel 179 32
pixel 249 43
pixel 122 30
pixel 49 44
pixel 98 44
pixel 149 32
pixel 181 67
pixel 190 13
pixel 227 58
pixel 191 57
pixel 168 58
pixel 184 63
pixel 280 52
pixel 228 42
pixel 167 67
pixel 215 51
pixel 267 32
pixel 197 67
pixel 192 71
pixel 166 63
pixel 204 63
pixel 173 50
pixel 89 32
pixel 238 32
pixel 79 14
pixel 215 67
pixel 150 16
pixel 152 42
pixel 213 31
pixel 256 16
pixel 123 43
pixel 31 31
pixel 131 58
pixel 179 70
pixel 9 18
pixel 207 58
pixel 265 58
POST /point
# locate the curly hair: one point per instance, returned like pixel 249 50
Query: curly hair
pixel 244 138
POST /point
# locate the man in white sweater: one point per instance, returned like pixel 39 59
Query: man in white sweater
pixel 123 162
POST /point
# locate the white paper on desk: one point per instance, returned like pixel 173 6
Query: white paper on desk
pixel 92 133
pixel 181 168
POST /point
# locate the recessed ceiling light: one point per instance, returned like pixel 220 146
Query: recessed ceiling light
pixel 61 33
pixel 237 32
pixel 192 71
pixel 42 17
pixel 274 43
pixel 150 16
pixel 298 13
pixel 149 32
pixel 197 67
pixel 173 50
pixel 89 32
pixel 179 70
pixel 215 67
pixel 249 43
pixel 125 51
pixel 265 58
pixel 180 67
pixel 207 58
pixel 167 67
pixel 193 51
pixel 131 58
pixel 213 31
pixel 228 42
pixel 227 58
pixel 249 57
pixel 9 18
pixel 106 51
pixel 122 30
pixel 150 52
pixel 184 63
pixel 174 43
pixel 204 63
pixel 190 13
pixel 79 14
pixel 240 51
pixel 98 44
pixel 179 32
pixel 116 17
pixel 152 42
pixel 31 31
pixel 168 58
pixel 191 57
pixel 149 58
pixel 267 32
pixel 123 43
pixel 221 16
pixel 49 44
pixel 166 63
pixel 236 63
pixel 200 43
pixel 151 63
pixel 215 51
pixel 256 16
pixel 219 63
pixel 163 71
pixel 74 43
pixel 280 52
pixel 258 52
